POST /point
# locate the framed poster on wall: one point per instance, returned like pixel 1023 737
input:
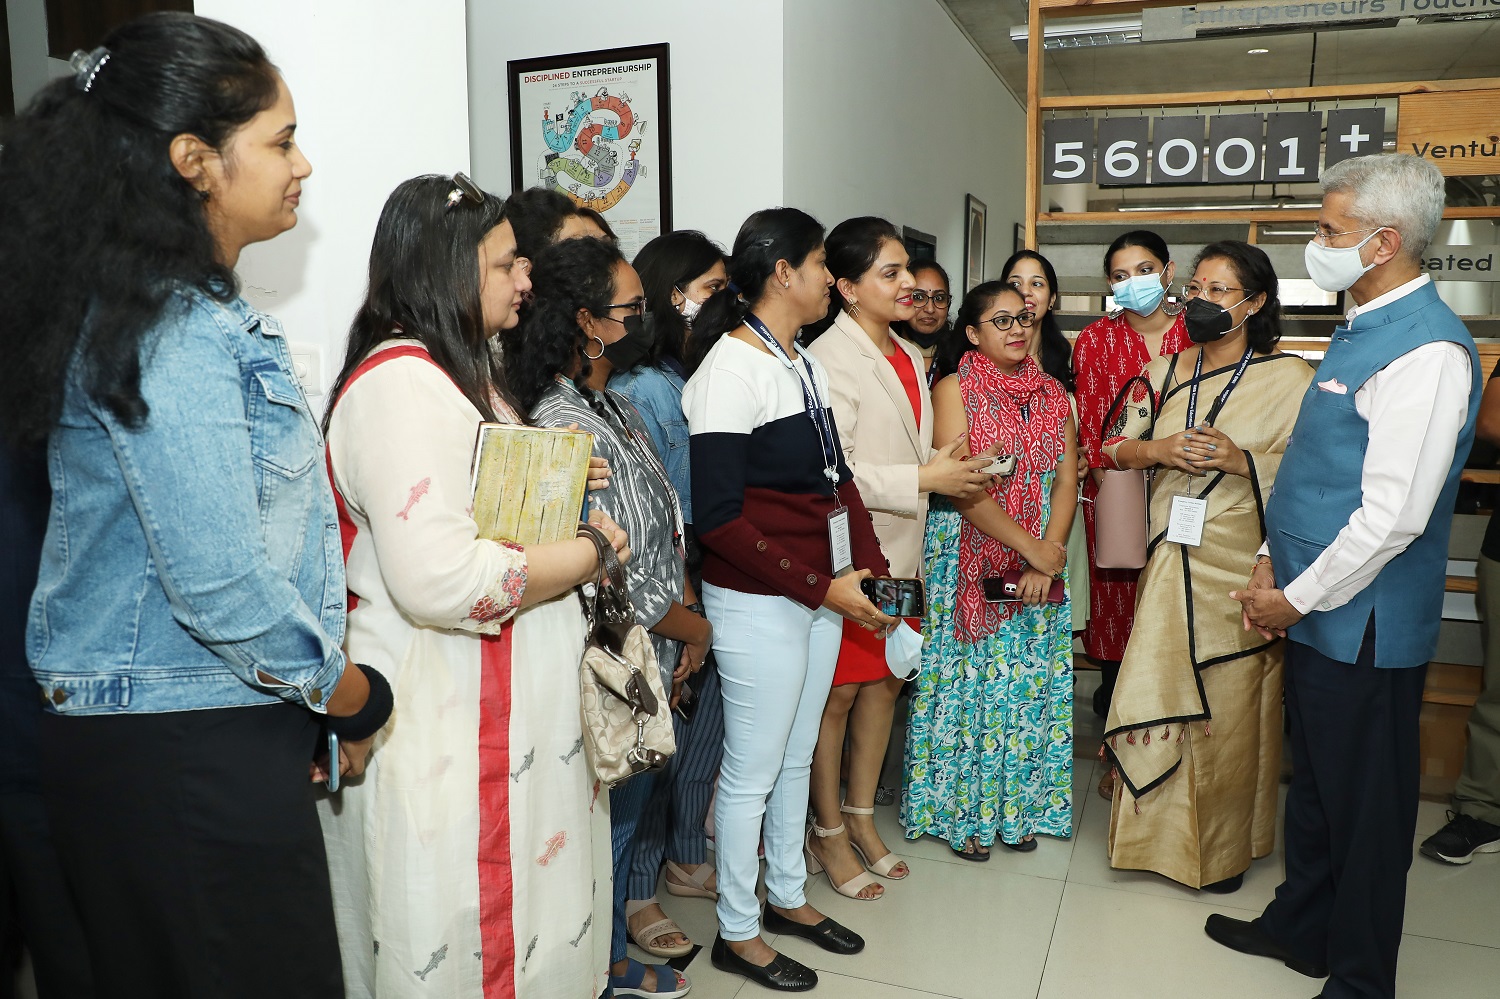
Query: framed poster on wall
pixel 597 127
pixel 976 221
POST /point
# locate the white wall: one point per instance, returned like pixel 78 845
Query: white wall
pixel 726 71
pixel 381 89
pixel 891 112
pixel 30 66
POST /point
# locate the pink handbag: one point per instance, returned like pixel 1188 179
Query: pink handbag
pixel 1120 520
pixel 1120 510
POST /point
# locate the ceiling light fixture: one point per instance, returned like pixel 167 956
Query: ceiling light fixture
pixel 1083 32
pixel 1258 52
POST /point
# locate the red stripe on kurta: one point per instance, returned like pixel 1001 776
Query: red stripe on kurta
pixel 497 938
pixel 347 528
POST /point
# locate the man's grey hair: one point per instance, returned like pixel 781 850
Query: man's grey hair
pixel 1397 190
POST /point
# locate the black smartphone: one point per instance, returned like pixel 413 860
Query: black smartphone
pixel 896 597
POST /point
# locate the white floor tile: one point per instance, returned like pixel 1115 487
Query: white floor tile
pixel 1440 969
pixel 1444 902
pixel 1128 944
pixel 955 933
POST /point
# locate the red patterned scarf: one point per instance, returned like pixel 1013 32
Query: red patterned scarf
pixel 1024 413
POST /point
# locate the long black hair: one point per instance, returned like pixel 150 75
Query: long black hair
pixel 571 275
pixel 671 261
pixel 769 235
pixel 1056 353
pixel 1253 270
pixel 424 281
pixel 94 219
pixel 955 343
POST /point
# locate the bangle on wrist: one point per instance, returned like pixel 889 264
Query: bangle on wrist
pixel 696 607
pixel 372 717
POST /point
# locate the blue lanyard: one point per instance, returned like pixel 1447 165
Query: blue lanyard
pixel 1234 380
pixel 816 411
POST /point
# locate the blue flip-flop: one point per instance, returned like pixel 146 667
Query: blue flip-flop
pixel 670 983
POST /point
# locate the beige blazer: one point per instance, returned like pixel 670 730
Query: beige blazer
pixel 881 440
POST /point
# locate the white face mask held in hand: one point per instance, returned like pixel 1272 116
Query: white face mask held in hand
pixel 903 652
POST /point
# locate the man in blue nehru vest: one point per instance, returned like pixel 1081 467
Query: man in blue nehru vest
pixel 1352 575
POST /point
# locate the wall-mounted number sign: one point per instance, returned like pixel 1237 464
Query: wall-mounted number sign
pixel 1282 147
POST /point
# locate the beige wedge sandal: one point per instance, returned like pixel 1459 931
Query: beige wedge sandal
pixel 885 865
pixel 690 885
pixel 850 888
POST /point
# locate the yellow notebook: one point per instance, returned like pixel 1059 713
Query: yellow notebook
pixel 529 482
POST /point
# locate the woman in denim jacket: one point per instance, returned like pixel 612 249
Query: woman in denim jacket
pixel 186 627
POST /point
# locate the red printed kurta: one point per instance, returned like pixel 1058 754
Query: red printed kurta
pixel 1107 354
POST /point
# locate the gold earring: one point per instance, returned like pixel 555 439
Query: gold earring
pixel 853 309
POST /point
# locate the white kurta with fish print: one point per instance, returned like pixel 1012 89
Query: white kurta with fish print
pixel 472 859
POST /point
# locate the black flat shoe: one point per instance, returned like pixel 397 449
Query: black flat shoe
pixel 1226 887
pixel 1248 938
pixel 783 974
pixel 1025 846
pixel 829 935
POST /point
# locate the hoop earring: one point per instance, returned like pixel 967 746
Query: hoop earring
pixel 594 357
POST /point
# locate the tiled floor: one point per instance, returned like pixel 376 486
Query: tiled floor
pixel 1058 923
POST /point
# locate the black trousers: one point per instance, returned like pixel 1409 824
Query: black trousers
pixel 1351 815
pixel 191 846
pixel 45 920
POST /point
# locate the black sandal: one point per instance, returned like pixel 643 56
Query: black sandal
pixel 971 853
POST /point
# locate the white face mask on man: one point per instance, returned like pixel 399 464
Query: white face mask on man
pixel 1337 268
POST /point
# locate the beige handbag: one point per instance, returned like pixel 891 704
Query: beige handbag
pixel 1120 507
pixel 627 719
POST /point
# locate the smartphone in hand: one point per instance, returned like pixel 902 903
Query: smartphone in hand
pixel 896 597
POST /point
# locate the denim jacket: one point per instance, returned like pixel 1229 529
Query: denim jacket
pixel 656 394
pixel 194 562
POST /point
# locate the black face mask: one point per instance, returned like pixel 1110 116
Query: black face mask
pixel 1206 321
pixel 924 340
pixel 632 348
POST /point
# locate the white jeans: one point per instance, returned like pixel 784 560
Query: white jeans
pixel 776 661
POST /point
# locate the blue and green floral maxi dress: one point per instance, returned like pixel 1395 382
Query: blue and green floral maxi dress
pixel 989 749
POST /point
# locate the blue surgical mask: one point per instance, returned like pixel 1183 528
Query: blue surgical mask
pixel 1141 294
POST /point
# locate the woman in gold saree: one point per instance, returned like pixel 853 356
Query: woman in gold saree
pixel 1194 729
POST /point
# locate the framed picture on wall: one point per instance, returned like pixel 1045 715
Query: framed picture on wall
pixel 919 245
pixel 597 127
pixel 976 218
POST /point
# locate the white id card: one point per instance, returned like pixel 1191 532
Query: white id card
pixel 838 540
pixel 1186 524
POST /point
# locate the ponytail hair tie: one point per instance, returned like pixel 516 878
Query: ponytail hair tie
pixel 86 66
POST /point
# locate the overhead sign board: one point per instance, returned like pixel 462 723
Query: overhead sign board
pixel 1281 147
pixel 1165 24
pixel 1459 131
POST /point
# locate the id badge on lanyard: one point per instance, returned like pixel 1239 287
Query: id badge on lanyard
pixel 1189 512
pixel 840 547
